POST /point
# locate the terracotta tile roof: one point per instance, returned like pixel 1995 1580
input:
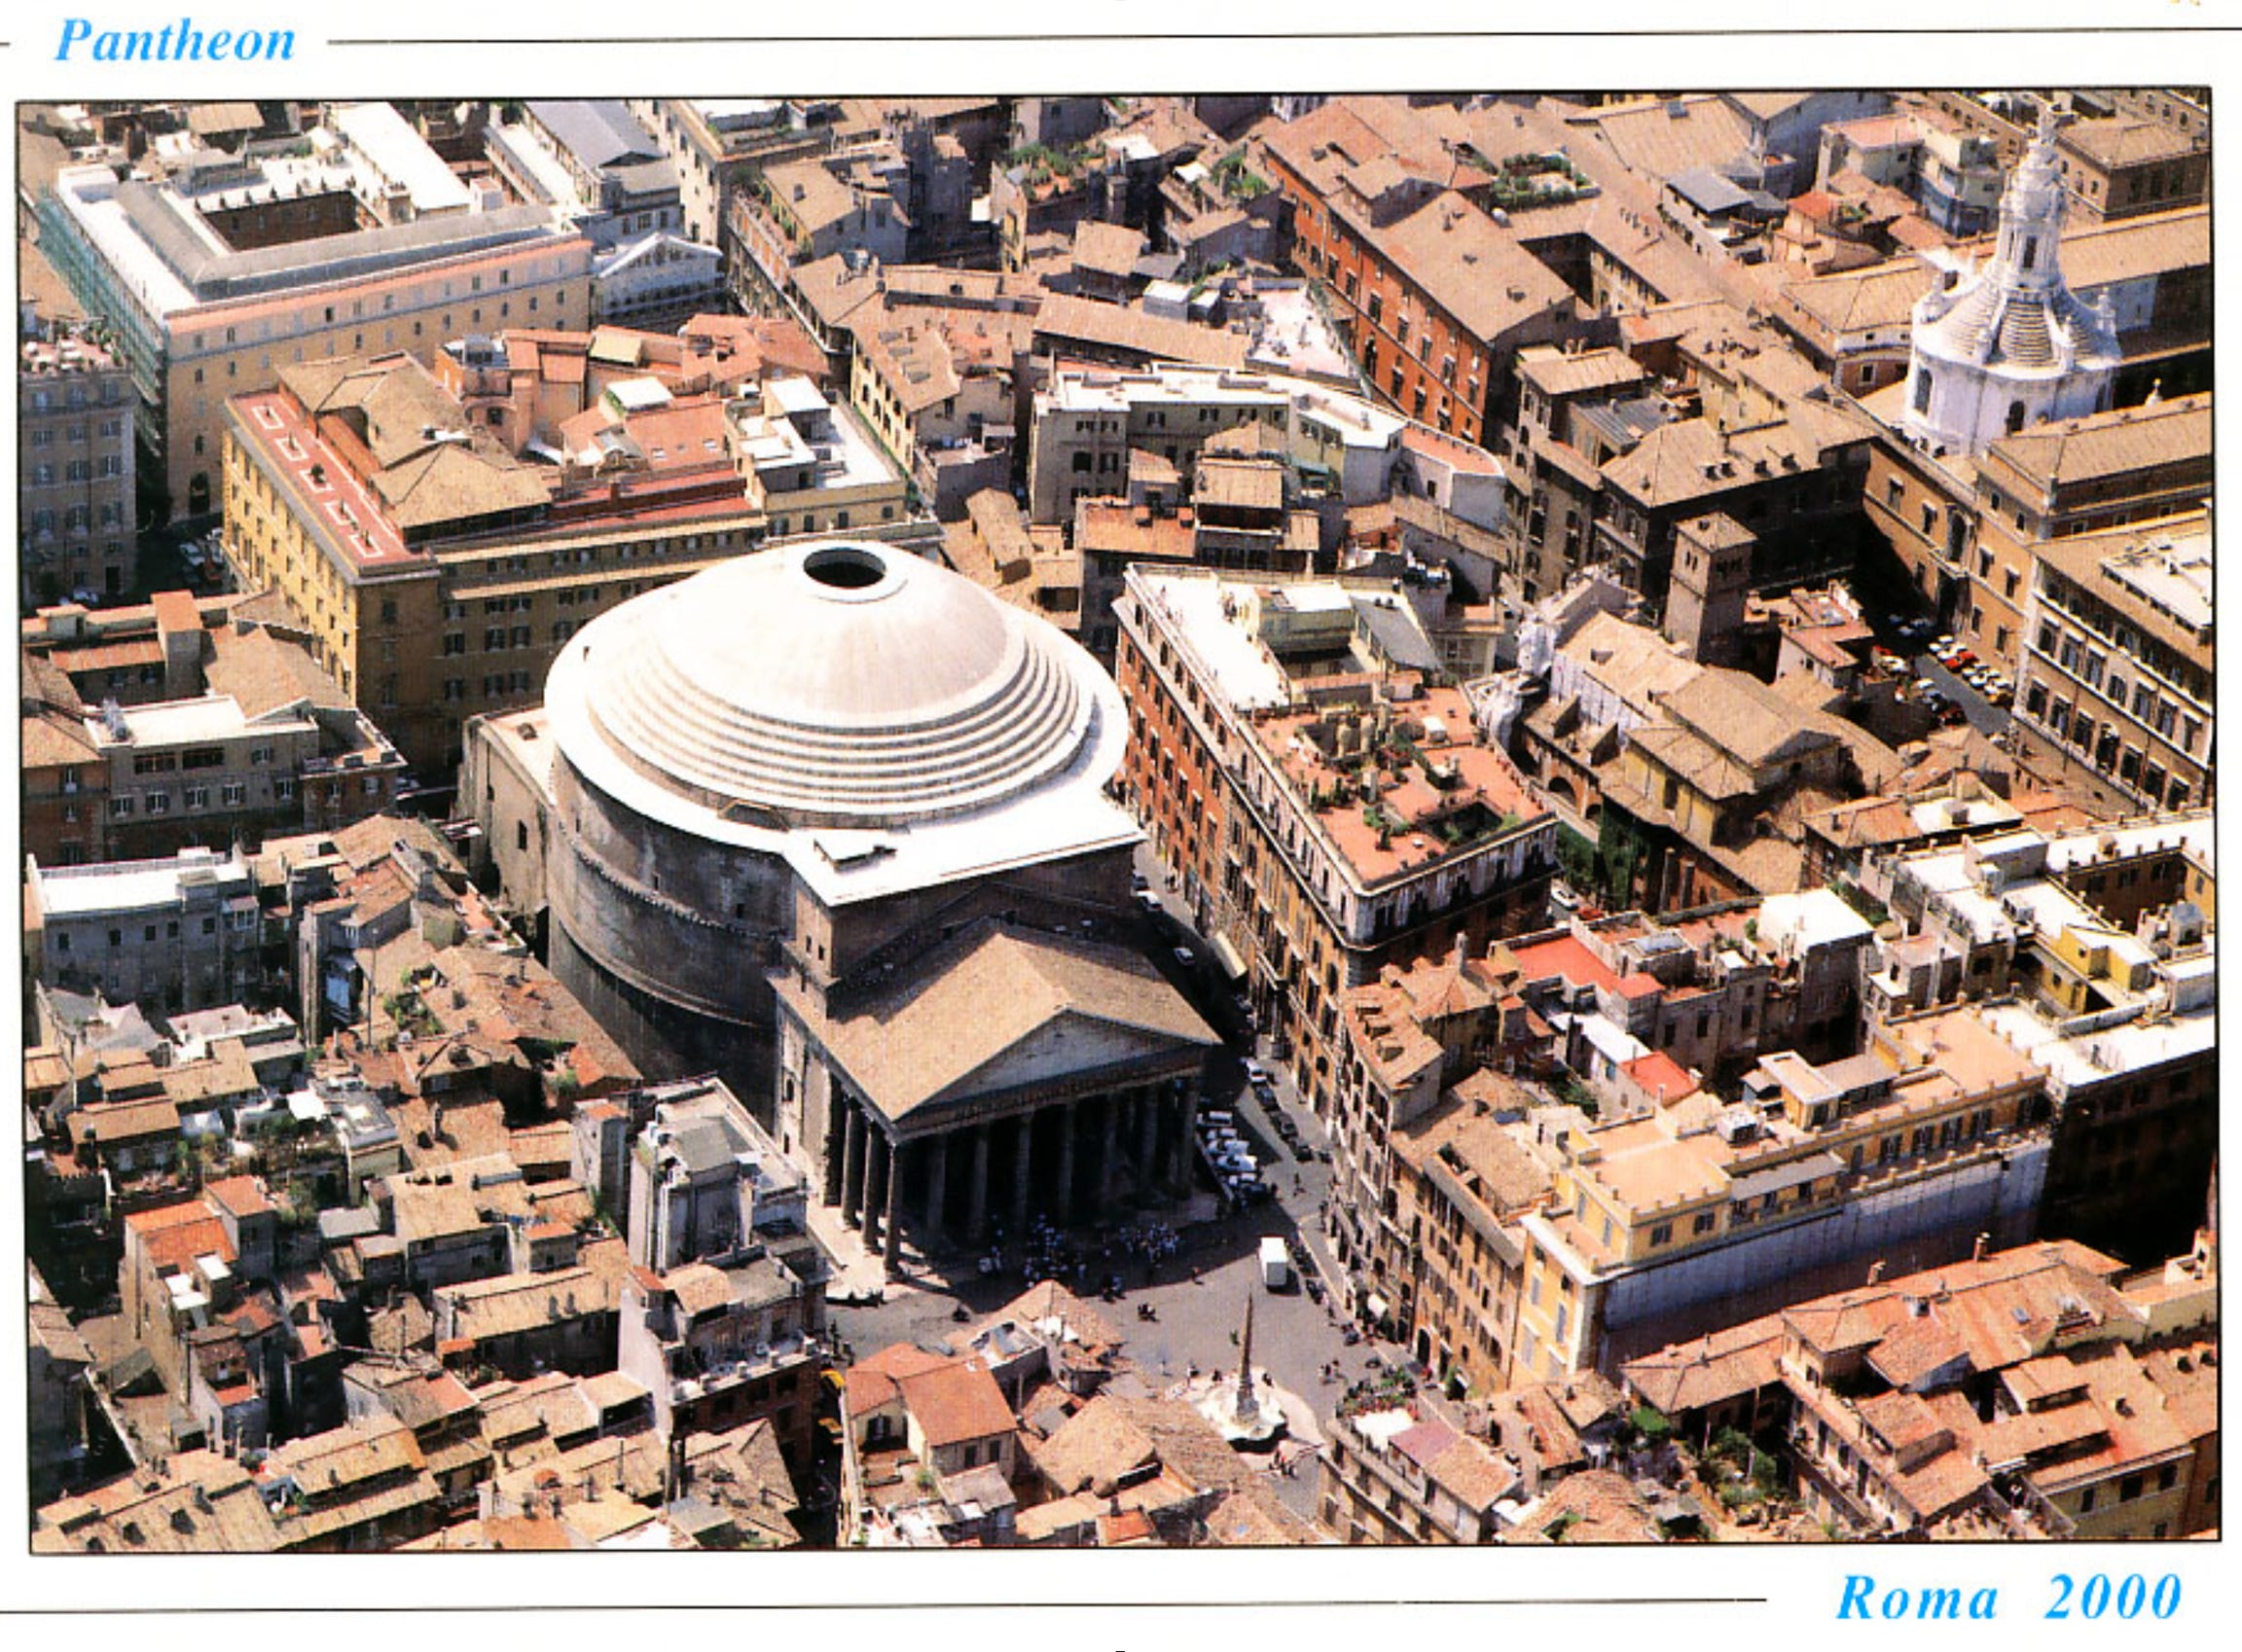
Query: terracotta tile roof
pixel 1474 1476
pixel 1066 318
pixel 2105 444
pixel 1107 249
pixel 224 1075
pixel 1130 1529
pixel 1095 1450
pixel 202 1503
pixel 172 1236
pixel 523 1533
pixel 1471 266
pixel 1594 1506
pixel 1691 460
pixel 175 611
pixel 2002 1308
pixel 416 1398
pixel 742 1472
pixel 1661 137
pixel 52 739
pixel 1634 661
pixel 239 1196
pixel 345 1458
pixel 1562 372
pixel 874 1381
pixel 1328 141
pixel 1687 1376
pixel 1254 484
pixel 1482 1152
pixel 2125 140
pixel 959 1009
pixel 1137 531
pixel 109 656
pixel 110 1123
pixel 515 1303
pixel 698 1288
pixel 2185 1374
pixel 955 1401
pixel 1052 1300
pixel 1252 1518
pixel 1112 1439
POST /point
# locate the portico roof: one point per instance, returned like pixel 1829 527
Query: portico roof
pixel 1000 1011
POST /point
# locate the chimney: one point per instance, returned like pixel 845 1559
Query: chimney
pixel 1977 1251
pixel 1876 1270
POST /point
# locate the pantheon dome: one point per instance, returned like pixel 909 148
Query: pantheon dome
pixel 838 720
pixel 837 684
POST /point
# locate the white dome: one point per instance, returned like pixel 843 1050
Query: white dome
pixel 838 682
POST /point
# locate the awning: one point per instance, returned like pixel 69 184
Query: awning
pixel 1233 965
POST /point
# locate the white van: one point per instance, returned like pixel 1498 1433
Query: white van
pixel 1276 1265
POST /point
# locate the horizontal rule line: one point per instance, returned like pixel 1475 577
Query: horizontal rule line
pixel 326 1608
pixel 1304 38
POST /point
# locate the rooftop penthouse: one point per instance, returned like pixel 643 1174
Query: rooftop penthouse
pixel 1995 896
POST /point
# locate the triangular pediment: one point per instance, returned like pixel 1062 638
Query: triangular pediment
pixel 1067 1044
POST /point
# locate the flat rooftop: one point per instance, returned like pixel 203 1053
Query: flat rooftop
pixel 401 155
pixel 2079 1059
pixel 180 722
pixel 2193 833
pixel 2172 574
pixel 1240 668
pixel 131 885
pixel 328 493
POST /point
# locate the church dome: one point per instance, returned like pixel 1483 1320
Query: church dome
pixel 2006 344
pixel 840 683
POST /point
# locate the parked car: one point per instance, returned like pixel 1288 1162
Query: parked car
pixel 1185 957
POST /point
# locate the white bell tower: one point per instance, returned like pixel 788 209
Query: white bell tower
pixel 2006 344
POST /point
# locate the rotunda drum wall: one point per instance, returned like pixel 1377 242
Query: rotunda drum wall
pixel 674 913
